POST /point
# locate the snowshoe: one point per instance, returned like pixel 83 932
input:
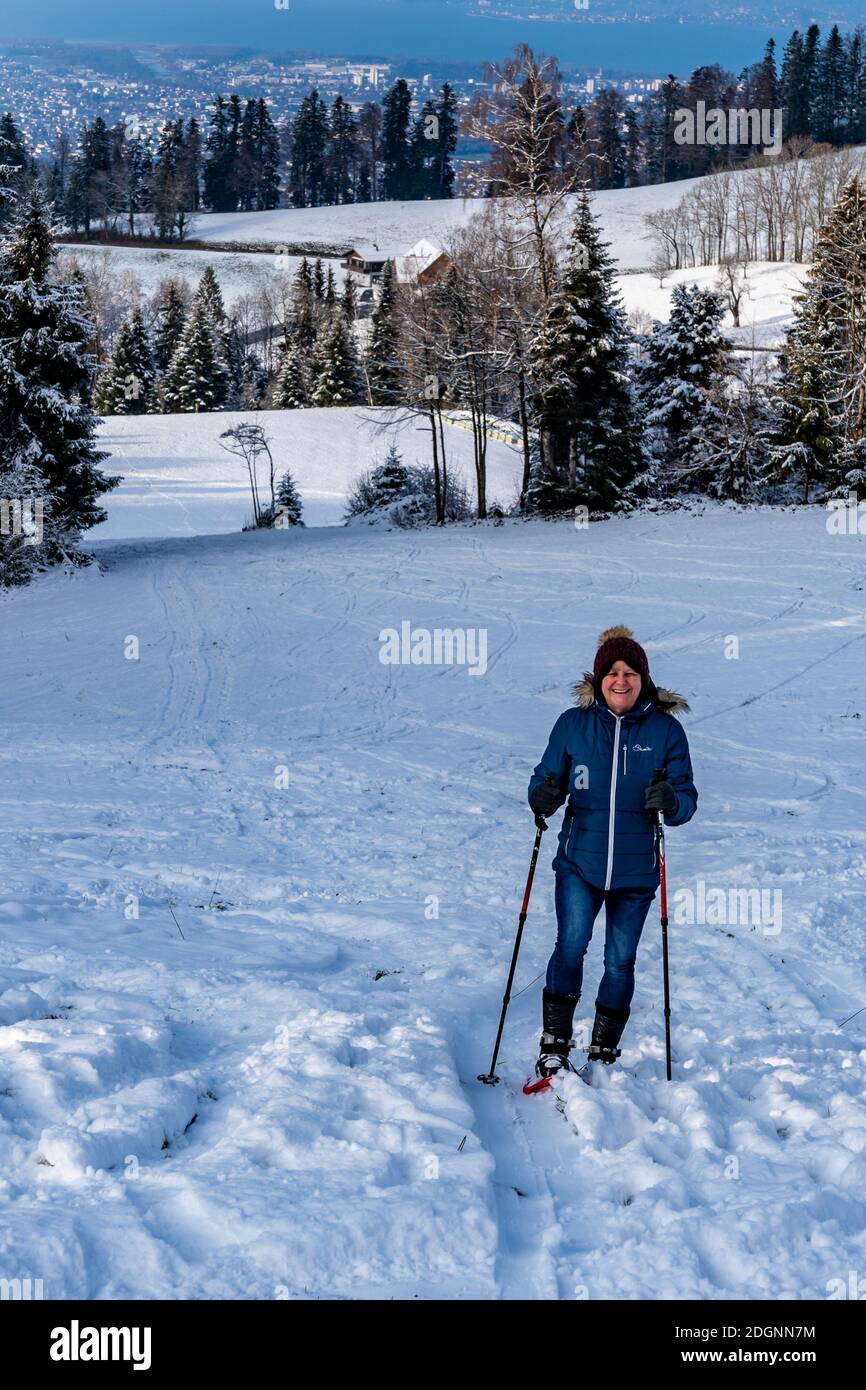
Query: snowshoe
pixel 558 1012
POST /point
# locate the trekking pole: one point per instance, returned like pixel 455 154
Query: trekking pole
pixel 660 841
pixel 490 1078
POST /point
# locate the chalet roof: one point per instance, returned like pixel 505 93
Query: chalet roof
pixel 419 258
pixel 372 253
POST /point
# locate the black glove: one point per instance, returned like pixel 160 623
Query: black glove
pixel 546 797
pixel 660 795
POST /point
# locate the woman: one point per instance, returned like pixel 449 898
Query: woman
pixel 602 757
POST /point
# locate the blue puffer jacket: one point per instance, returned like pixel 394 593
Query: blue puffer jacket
pixel 603 764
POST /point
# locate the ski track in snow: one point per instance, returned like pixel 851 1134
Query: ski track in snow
pixel 264 1084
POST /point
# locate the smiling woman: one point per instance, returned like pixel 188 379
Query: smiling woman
pixel 606 854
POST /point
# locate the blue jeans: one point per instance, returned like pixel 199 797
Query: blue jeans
pixel 578 903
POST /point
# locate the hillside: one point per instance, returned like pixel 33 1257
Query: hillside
pixel 260 892
pixel 177 481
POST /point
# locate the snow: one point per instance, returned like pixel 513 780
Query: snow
pixel 240 274
pixel 401 224
pixel 177 481
pixel 260 891
pixel 766 307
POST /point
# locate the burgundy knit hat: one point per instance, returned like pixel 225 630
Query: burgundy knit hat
pixel 618 644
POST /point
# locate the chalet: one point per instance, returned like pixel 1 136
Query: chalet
pixel 423 264
pixel 365 264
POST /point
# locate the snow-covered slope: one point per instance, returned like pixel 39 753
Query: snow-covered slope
pixel 766 306
pixel 177 481
pixel 240 274
pixel 394 227
pixel 259 894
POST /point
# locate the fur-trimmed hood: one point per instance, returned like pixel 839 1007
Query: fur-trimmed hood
pixel 668 701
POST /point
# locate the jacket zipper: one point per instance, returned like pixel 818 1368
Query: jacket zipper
pixel 625 759
pixel 612 811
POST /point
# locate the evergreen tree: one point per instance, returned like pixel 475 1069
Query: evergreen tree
pixel 304 307
pixel 344 152
pixel 47 429
pixel 198 375
pixel 684 363
pixel 336 377
pixel 831 89
pixel 383 363
pixel 821 395
pixel 13 163
pixel 811 61
pixel 254 381
pixel 289 507
pixel 391 480
pixel 856 97
pixel 310 132
pixel 290 390
pixel 805 437
pixel 584 402
pixel 632 154
pixel 268 156
pixel 607 139
pixel 210 296
pixel 170 319
pixel 794 88
pixel 218 192
pixel 348 300
pixel 319 279
pixel 236 361
pixel 422 153
pixel 442 184
pixel 397 171
pixel 126 386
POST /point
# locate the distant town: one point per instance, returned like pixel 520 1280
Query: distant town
pixel 59 88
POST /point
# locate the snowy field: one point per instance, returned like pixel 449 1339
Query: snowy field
pixel 177 481
pixel 240 274
pixel 259 893
pixel 768 291
pixel 394 227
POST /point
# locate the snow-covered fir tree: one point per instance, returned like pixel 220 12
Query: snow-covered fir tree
pixel 235 354
pixel 289 508
pixel 685 363
pixel 383 362
pixel 126 385
pixel 389 480
pixel 335 370
pixel 349 300
pixel 821 392
pixel 198 376
pixel 47 428
pixel 304 308
pixel 254 382
pixel 170 319
pixel 805 436
pixel 210 295
pixel 290 388
pixel 584 403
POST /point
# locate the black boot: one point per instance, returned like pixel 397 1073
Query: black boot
pixel 606 1033
pixel 558 1015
